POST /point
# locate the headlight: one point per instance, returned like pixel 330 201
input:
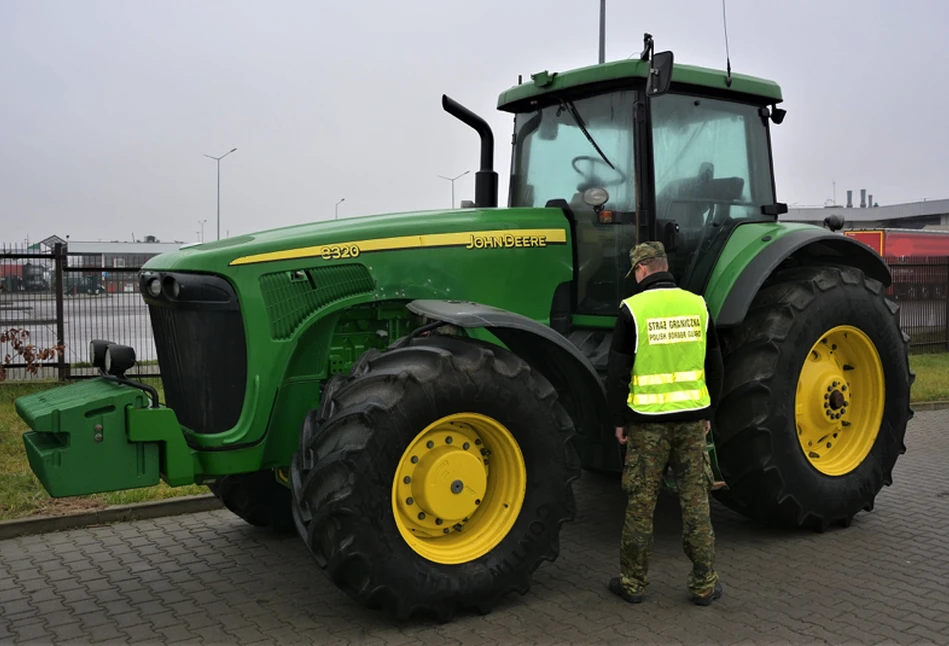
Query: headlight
pixel 172 287
pixel 154 287
pixel 118 359
pixel 97 348
pixel 595 196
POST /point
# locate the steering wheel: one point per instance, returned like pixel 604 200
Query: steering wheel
pixel 591 180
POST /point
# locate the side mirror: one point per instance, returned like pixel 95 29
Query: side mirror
pixel 660 74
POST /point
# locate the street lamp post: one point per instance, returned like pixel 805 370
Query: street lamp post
pixel 218 160
pixel 201 222
pixel 452 180
pixel 335 217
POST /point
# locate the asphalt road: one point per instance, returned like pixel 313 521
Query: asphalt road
pixel 211 578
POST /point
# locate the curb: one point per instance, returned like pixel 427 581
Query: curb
pixel 116 514
pixel 928 406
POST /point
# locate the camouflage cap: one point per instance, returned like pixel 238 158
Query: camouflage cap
pixel 644 251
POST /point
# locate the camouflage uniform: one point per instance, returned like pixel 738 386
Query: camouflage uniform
pixel 650 448
pixel 655 440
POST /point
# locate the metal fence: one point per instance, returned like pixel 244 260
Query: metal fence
pixel 920 286
pixel 72 298
pixel 56 295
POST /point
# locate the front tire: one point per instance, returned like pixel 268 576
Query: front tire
pixel 435 477
pixel 257 498
pixel 816 399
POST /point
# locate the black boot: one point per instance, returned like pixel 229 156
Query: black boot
pixel 707 601
pixel 617 588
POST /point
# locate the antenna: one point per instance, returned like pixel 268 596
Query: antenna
pixel 728 60
pixel 602 31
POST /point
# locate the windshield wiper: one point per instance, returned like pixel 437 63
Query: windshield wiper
pixel 572 109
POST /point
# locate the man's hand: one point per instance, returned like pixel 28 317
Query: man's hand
pixel 621 434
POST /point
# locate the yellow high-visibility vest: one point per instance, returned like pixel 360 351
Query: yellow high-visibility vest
pixel 669 371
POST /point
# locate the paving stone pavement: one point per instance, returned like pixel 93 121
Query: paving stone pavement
pixel 211 578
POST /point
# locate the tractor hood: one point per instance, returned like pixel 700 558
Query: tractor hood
pixel 335 239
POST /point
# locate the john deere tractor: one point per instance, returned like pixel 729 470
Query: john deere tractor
pixel 415 393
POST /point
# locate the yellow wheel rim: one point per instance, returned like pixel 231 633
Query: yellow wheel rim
pixel 839 400
pixel 458 488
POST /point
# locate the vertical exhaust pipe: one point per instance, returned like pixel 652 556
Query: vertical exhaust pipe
pixel 486 180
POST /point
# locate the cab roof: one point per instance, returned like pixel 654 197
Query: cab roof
pixel 543 83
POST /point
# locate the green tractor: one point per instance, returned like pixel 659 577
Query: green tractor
pixel 415 393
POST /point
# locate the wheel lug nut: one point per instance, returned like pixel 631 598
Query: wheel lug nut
pixel 414 459
pixel 421 515
pixel 429 444
pixel 466 446
pixel 446 530
pixel 827 396
pixel 478 441
pixel 448 440
pixel 478 501
pixel 409 501
pixel 844 387
pixel 830 388
pixel 407 479
pixel 438 521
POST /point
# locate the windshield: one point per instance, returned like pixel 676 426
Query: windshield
pixel 555 159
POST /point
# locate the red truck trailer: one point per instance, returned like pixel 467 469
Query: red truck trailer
pixel 901 243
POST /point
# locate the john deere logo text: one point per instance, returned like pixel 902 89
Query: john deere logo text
pixel 505 241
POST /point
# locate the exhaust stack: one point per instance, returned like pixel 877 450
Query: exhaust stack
pixel 486 180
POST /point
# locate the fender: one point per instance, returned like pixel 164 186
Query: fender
pixel 562 363
pixel 807 246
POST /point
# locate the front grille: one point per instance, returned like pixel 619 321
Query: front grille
pixel 202 353
pixel 290 297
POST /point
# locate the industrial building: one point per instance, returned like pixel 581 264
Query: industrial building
pixel 927 214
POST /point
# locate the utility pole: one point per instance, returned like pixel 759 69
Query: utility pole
pixel 218 160
pixel 335 217
pixel 602 31
pixel 452 180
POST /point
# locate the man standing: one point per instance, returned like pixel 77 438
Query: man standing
pixel 665 377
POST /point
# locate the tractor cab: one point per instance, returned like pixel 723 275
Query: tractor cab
pixel 634 150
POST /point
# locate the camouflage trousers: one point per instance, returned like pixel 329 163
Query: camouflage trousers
pixel 650 447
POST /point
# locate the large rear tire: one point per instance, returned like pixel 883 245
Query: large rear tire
pixel 816 399
pixel 435 477
pixel 257 498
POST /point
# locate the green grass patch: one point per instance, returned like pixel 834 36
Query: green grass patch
pixel 932 377
pixel 22 494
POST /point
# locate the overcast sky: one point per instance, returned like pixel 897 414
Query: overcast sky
pixel 109 106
